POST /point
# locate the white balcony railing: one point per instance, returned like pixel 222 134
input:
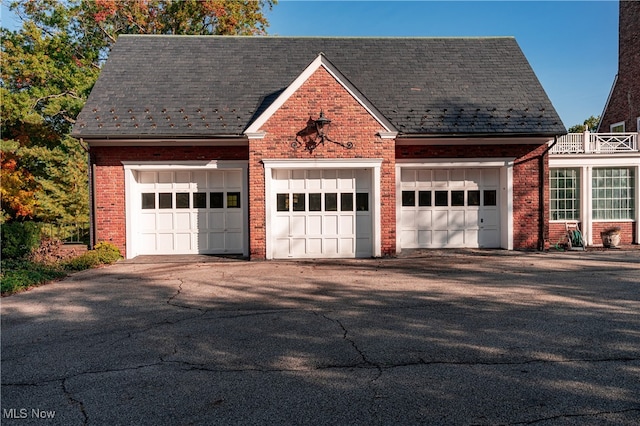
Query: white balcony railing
pixel 596 143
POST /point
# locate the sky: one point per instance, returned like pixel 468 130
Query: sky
pixel 572 46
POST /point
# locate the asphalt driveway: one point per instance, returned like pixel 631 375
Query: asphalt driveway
pixel 442 337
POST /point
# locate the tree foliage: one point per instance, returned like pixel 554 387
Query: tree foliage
pixel 591 123
pixel 48 69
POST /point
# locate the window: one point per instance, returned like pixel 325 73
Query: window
pixel 346 202
pixel 331 202
pixel 362 202
pixel 282 202
pixel 457 198
pixel 182 200
pixel 165 200
pixel 442 198
pixel 216 200
pixel 233 200
pixel 199 200
pixel 315 202
pixel 408 198
pixel 298 202
pixel 490 197
pixel 148 201
pixel 613 193
pixel 617 127
pixel 565 194
pixel 473 198
pixel 424 198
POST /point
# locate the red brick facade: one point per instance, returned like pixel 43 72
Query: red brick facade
pixel 557 232
pixel 624 103
pixel 350 122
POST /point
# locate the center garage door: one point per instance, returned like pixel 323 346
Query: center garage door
pixel 449 208
pixel 188 212
pixel 321 213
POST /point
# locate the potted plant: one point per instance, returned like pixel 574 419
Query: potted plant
pixel 611 237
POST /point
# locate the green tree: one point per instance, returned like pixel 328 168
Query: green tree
pixel 48 69
pixel 591 123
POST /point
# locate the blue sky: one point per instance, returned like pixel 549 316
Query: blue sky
pixel 571 45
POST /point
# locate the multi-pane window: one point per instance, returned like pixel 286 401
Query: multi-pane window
pixel 613 193
pixel 565 194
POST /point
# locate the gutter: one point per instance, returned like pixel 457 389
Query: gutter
pixel 91 184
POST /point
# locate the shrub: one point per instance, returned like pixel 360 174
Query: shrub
pixel 102 254
pixel 19 239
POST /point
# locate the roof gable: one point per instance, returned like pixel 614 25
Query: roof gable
pixel 320 61
pixel 215 86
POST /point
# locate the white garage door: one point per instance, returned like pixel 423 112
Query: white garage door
pixel 321 213
pixel 189 212
pixel 442 208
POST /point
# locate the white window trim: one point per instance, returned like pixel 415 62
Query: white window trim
pixel 506 187
pixel 374 164
pixel 130 169
pixel 614 125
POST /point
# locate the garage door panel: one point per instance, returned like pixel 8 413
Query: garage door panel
pixel 165 220
pixel 298 245
pixel 440 219
pixel 164 243
pixel 183 221
pixel 182 212
pixel 330 246
pixel 448 207
pixel 314 225
pixel 425 237
pixel 148 222
pixel 456 219
pixel 347 246
pixel 298 225
pixel 408 219
pixel 183 241
pixel 424 219
pixel 331 225
pixel 346 225
pixel 314 246
pixel 234 220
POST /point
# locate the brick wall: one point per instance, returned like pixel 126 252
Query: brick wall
pixel 350 123
pixel 527 233
pixel 627 231
pixel 109 197
pixel 624 103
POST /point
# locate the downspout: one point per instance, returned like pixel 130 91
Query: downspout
pixel 91 188
pixel 542 205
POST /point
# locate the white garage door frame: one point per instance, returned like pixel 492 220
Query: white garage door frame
pixel 505 166
pixel 374 164
pixel 130 183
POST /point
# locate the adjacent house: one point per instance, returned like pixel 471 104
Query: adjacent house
pixel 276 147
pixel 594 176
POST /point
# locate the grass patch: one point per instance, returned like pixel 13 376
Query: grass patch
pixel 21 274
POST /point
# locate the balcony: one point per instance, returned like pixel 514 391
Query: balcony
pixel 596 143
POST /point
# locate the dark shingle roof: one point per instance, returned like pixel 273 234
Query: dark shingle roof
pixel 207 86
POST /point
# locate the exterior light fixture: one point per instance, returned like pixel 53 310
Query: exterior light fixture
pixel 316 134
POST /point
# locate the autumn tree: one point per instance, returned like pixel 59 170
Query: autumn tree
pixel 48 69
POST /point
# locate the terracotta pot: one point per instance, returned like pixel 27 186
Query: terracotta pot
pixel 610 239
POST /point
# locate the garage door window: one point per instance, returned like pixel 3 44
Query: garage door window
pixel 165 200
pixel 199 200
pixel 149 201
pixel 442 198
pixel 182 200
pixel 424 198
pixel 457 198
pixel 490 197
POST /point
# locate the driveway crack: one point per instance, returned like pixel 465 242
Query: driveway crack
pixel 74 401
